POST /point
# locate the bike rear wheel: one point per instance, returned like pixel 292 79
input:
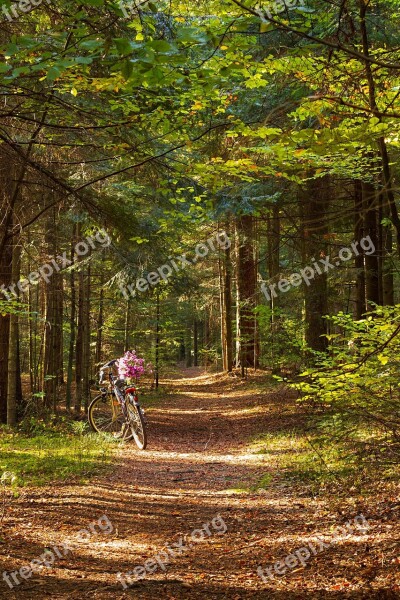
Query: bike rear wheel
pixel 136 422
pixel 105 416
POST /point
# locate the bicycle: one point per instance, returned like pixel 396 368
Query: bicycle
pixel 117 410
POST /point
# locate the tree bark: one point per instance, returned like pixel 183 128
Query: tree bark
pixel 387 175
pixel 371 229
pixel 227 293
pixel 188 345
pixel 386 266
pixel 314 205
pixel 86 360
pixel 247 289
pixel 273 248
pixel 52 370
pixel 6 251
pixel 359 260
pixel 79 344
pixel 157 365
pixel 13 353
pixel 5 279
pixel 195 343
pixel 273 261
pixel 222 313
pixel 72 321
pixel 126 327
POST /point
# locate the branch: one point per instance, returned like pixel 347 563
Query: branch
pixel 318 40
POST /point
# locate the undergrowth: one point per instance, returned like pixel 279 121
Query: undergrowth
pixel 40 453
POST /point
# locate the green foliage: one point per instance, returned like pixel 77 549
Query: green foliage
pixel 357 387
pixel 283 335
pixel 11 307
pixel 51 454
pixel 301 459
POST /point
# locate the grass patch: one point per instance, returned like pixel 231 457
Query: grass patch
pixel 49 456
pixel 316 461
pixel 299 458
pixel 237 490
pixel 263 483
pixel 152 398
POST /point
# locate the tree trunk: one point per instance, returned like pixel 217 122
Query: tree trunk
pixel 222 313
pixel 32 330
pixel 206 336
pixel 13 354
pixel 79 344
pixel 195 343
pixel 387 175
pixel 227 292
pixel 314 206
pixel 359 261
pixel 273 249
pixel 59 320
pixel 86 362
pixel 5 279
pixel 273 261
pixel 386 236
pixel 72 321
pixel 52 370
pixel 182 349
pixel 188 346
pixel 6 252
pixel 157 366
pixel 247 289
pixel 126 328
pixel 371 229
pixel 100 323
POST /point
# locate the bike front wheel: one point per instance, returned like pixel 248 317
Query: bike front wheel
pixel 105 416
pixel 136 422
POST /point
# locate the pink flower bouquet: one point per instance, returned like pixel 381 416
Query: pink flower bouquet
pixel 131 366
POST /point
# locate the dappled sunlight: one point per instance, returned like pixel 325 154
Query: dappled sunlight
pixel 226 411
pixel 209 454
pixel 198 457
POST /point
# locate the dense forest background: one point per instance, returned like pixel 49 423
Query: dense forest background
pixel 139 135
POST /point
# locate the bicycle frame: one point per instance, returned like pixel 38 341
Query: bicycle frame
pixel 124 404
pixel 117 391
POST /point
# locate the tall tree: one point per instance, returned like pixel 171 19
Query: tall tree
pixel 314 203
pixel 247 288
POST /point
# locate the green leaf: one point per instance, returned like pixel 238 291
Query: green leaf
pixel 162 46
pixel 53 73
pixel 125 46
pixel 383 359
pixel 127 69
pixel 191 34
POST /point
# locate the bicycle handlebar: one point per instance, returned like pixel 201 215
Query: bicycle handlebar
pixel 109 364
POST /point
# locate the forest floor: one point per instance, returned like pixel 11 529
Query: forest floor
pixel 198 485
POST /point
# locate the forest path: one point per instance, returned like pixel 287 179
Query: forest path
pixel 194 476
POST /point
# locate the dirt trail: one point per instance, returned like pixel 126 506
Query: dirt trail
pixel 197 461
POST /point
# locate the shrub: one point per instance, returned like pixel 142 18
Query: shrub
pixel 357 384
